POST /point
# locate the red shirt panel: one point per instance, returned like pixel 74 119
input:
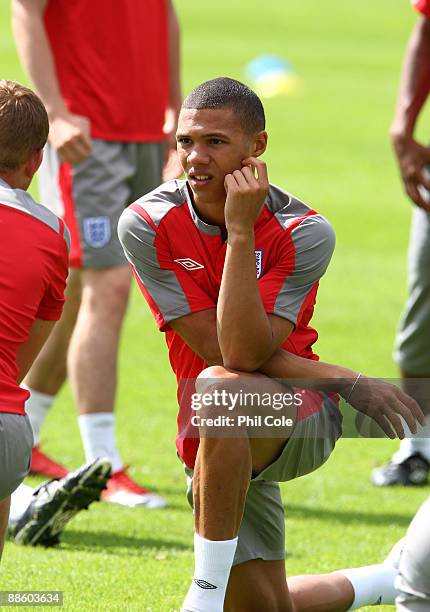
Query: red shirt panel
pixel 33 272
pixel 111 58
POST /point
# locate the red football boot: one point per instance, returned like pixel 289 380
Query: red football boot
pixel 43 465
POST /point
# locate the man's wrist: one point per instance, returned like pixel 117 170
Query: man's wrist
pixel 240 236
pixel 56 111
pixel 401 133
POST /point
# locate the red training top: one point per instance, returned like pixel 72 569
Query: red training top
pixel 33 272
pixel 111 59
pixel 423 6
pixel 178 262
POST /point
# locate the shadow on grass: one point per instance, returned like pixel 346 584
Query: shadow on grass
pixel 112 543
pixel 382 518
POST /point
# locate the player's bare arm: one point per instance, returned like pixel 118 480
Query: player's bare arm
pixel 28 351
pixel 383 402
pixel 69 133
pixel 414 90
pixel 173 168
pixel 246 335
pixel 4 514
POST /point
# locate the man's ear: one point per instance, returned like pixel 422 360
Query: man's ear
pixel 33 164
pixel 260 143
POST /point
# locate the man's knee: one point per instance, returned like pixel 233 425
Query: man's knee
pixel 213 375
pixel 106 292
pixel 222 377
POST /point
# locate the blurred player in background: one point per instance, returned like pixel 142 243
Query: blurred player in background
pixel 410 465
pixel 33 271
pixel 108 73
pixel 238 295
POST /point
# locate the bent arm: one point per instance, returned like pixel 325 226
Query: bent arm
pixel 198 330
pixel 381 401
pixel 247 335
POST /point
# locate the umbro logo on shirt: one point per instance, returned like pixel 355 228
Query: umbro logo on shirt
pixel 189 264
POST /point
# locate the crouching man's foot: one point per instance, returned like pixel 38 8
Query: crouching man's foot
pixel 56 502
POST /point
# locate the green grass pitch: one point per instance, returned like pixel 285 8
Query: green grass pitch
pixel 328 145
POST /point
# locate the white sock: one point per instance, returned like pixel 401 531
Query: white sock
pixel 37 407
pixel 213 561
pixel 19 502
pixel 372 584
pixel 98 437
pixel 418 443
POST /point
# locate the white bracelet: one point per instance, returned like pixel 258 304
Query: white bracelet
pixel 353 386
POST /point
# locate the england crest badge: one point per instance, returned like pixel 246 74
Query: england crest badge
pixel 259 262
pixel 97 231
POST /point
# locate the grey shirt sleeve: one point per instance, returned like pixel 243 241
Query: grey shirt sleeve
pixel 159 282
pixel 309 252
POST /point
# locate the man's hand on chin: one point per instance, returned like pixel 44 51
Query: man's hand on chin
pixel 246 191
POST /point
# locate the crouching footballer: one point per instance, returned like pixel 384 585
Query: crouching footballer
pixel 230 265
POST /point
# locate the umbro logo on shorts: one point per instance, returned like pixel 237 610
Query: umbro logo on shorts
pixel 204 585
pixel 189 264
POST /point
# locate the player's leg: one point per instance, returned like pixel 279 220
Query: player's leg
pixel 48 374
pixel 319 593
pixel 4 517
pixel 16 441
pixel 49 371
pixel 258 581
pixel 102 188
pixel 266 588
pixel 224 466
pixel 262 538
pixel 414 571
pixel 410 466
pixel 93 358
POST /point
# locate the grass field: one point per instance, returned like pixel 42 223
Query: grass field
pixel 328 145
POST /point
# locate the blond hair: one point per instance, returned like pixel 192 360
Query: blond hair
pixel 24 124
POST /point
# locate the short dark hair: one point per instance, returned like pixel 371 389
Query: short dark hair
pixel 24 124
pixel 224 92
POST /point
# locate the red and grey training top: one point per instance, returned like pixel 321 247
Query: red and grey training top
pixel 423 6
pixel 178 262
pixel 33 271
